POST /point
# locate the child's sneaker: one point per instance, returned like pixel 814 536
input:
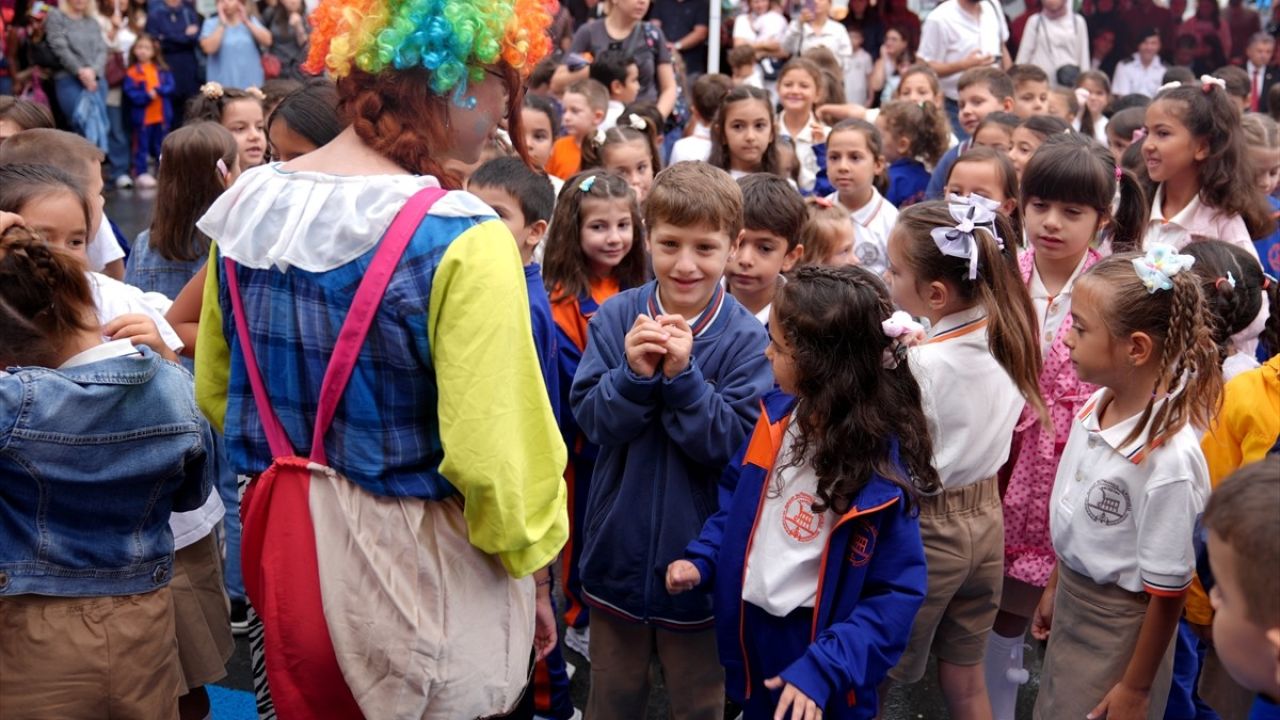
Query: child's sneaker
pixel 239 617
pixel 145 181
pixel 579 641
pixel 124 182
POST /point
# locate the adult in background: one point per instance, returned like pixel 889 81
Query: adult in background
pixel 177 26
pixel 623 27
pixel 1055 37
pixel 816 28
pixel 868 19
pixel 231 40
pixel 76 38
pixel 684 22
pixel 290 32
pixel 404 574
pixel 957 36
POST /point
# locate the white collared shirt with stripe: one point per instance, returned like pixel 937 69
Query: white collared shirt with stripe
pixel 1124 514
pixel 872 224
pixel 970 402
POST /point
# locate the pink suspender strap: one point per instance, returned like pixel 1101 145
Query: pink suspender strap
pixel 346 350
pixel 363 309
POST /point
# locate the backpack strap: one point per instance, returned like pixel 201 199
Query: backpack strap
pixel 364 307
pixel 355 327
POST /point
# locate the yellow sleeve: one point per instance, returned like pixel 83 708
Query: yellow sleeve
pixel 213 356
pixel 502 449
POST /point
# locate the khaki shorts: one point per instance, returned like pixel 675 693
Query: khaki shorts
pixel 202 613
pixel 89 657
pixel 1094 632
pixel 963 535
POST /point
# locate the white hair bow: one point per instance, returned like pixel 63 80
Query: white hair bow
pixel 1208 80
pixel 1157 268
pixel 1173 84
pixel 970 212
pixel 638 123
pixel 600 136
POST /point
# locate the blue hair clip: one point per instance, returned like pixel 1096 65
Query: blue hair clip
pixel 587 183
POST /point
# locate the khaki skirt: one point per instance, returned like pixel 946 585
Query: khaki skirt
pixel 202 613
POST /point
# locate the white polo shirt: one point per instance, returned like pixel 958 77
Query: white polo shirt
pixel 950 34
pixel 786 547
pixel 1124 514
pixel 970 402
pixel 872 224
pixel 1051 310
pixel 1195 219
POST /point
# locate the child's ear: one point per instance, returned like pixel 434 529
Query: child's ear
pixel 616 87
pixel 598 115
pixel 1007 104
pixel 1202 149
pixel 903 145
pixel 537 231
pixel 937 294
pixel 880 165
pixel 1141 349
pixel 1008 206
pixel 792 257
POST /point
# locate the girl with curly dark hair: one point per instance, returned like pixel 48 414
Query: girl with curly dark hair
pixel 816 560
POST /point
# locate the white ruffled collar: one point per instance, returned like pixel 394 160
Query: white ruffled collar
pixel 315 221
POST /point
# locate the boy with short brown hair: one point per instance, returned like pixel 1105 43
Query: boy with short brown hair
pixel 584 105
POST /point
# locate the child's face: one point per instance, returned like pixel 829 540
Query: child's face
pixel 996 137
pixel 851 164
pixel 244 119
pixel 798 91
pixel 1170 150
pixel 508 209
pixel 1058 107
pixel 1025 144
pixel 579 120
pixel 1268 168
pixel 1259 52
pixel 634 162
pixel 1059 230
pixel 976 178
pixel 1148 49
pixel 1094 352
pixel 144 51
pixel 1030 98
pixel 688 263
pixel 893 43
pixel 889 139
pixel 976 102
pixel 855 40
pixel 843 253
pixel 286 144
pixel 605 232
pixel 537 135
pixel 1240 642
pixel 59 217
pixel 916 88
pixel 1098 97
pixel 630 87
pixel 784 365
pixel 1117 145
pixel 93 190
pixel 902 281
pixel 757 260
pixel 748 132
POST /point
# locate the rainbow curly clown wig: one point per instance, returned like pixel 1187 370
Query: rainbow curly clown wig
pixel 454 40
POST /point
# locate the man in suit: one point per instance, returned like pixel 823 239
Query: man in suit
pixel 1262 74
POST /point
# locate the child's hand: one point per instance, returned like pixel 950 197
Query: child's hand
pixel 682 576
pixel 8 220
pixel 1122 703
pixel 801 707
pixel 818 132
pixel 1043 619
pixel 138 329
pixel 679 344
pixel 544 632
pixel 645 345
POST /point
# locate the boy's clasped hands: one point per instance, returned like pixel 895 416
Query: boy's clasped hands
pixel 664 342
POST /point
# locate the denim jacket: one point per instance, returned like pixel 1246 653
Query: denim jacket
pixel 93 458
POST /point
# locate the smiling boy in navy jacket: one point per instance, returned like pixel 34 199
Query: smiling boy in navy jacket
pixel 668 387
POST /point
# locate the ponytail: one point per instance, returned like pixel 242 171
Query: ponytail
pixel 44 298
pixel 1129 221
pixel 924 124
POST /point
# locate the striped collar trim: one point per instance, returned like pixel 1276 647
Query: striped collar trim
pixel 704 320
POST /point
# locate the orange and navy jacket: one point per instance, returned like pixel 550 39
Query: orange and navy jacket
pixel 870 586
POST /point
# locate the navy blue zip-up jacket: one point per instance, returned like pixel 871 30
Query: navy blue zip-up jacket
pixel 663 445
pixel 871 585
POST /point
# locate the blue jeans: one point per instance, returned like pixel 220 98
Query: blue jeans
pixel 118 141
pixel 226 484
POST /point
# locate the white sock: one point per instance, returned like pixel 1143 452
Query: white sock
pixel 1003 654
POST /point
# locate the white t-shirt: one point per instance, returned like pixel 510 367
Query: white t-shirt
pixel 759 28
pixel 857 74
pixel 970 402
pixel 872 224
pixel 1132 76
pixel 833 36
pixel 103 249
pixel 1051 310
pixel 696 147
pixel 786 549
pixel 950 34
pixel 1124 514
pixel 113 299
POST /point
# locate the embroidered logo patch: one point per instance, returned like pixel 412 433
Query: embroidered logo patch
pixel 798 519
pixel 862 546
pixel 1107 503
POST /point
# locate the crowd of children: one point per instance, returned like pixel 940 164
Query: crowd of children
pixel 875 361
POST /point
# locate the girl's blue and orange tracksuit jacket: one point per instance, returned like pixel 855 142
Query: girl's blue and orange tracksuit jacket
pixel 873 580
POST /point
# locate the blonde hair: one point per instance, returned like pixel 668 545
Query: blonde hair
pixel 822 230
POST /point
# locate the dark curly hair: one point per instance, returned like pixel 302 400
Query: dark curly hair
pixel 853 405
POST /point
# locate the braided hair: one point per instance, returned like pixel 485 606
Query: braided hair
pixel 44 298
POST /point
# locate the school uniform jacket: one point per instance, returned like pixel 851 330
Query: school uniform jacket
pixel 663 444
pixel 872 582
